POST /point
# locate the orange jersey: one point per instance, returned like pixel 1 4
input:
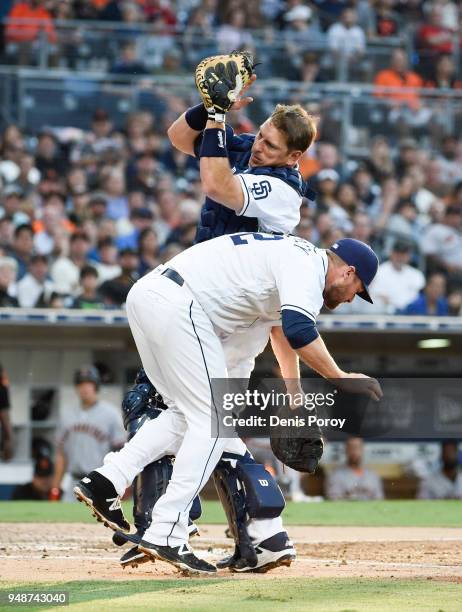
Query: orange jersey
pixel 38 226
pixel 29 31
pixel 308 165
pixel 408 81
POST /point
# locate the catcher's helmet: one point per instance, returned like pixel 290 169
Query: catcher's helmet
pixel 87 373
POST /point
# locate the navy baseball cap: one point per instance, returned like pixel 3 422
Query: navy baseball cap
pixel 362 257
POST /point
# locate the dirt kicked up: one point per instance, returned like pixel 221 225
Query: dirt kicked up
pixel 37 552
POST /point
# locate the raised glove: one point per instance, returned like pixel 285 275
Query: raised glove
pixel 220 79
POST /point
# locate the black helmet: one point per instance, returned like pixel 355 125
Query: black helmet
pixel 87 373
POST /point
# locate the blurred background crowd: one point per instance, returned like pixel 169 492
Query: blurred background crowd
pixel 58 461
pixel 92 195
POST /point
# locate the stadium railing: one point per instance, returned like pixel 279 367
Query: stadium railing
pixel 95 46
pixel 352 115
pixel 117 318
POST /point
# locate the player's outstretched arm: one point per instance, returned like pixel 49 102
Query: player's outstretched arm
pixel 316 355
pixel 287 359
pixel 221 82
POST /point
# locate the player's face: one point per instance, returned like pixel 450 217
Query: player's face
pixel 87 392
pixel 342 288
pixel 270 148
pixel 354 451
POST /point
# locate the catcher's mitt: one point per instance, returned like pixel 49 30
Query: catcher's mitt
pixel 299 453
pixel 221 78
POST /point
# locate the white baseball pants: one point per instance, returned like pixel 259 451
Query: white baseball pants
pixel 180 353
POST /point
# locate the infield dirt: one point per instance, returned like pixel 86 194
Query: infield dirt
pixel 37 552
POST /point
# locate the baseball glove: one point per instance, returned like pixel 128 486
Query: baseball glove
pixel 221 78
pixel 299 453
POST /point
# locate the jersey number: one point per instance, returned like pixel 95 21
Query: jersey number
pixel 243 238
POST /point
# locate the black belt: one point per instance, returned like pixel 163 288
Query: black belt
pixel 173 276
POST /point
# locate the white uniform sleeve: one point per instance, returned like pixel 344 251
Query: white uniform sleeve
pixel 301 284
pixel 273 202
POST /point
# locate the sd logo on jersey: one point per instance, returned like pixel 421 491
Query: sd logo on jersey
pixel 261 190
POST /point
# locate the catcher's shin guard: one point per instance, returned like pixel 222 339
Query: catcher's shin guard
pixel 247 490
pixel 232 498
pixel 148 486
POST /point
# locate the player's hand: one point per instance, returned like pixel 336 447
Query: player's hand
pixel 354 382
pixel 54 494
pixel 221 79
pixel 242 100
pixel 294 391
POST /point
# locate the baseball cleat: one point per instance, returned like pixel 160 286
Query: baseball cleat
pixel 133 558
pixel 277 551
pixel 181 557
pixel 120 538
pixel 193 530
pixel 99 494
pixel 228 561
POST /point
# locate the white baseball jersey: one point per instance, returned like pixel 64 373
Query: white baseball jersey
pixel 245 279
pixel 275 203
pixel 438 486
pixel 87 435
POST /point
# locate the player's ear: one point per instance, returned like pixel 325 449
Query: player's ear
pixel 350 271
pixel 293 158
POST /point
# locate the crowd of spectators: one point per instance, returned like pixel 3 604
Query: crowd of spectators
pixel 84 213
pixel 81 219
pixel 292 36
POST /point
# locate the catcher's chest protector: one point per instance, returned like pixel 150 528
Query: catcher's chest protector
pixel 217 220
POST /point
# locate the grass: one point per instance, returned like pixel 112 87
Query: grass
pixel 408 513
pixel 254 595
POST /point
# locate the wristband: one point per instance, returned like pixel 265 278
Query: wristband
pixel 214 115
pixel 196 117
pixel 213 143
